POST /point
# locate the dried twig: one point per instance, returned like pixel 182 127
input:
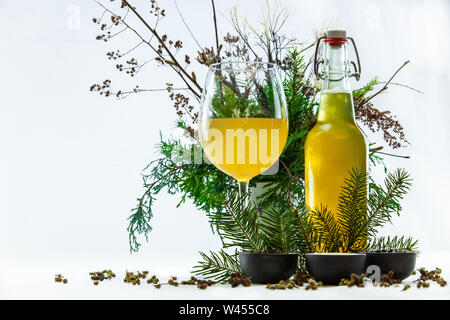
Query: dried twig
pixel 186 25
pixel 215 27
pixel 169 52
pixel 385 86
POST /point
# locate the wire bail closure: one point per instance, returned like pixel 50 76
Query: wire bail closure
pixel 317 63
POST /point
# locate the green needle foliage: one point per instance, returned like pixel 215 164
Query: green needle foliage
pixel 383 202
pixel 395 244
pixel 218 266
pixel 366 89
pixel 353 228
pixel 325 231
pixel 359 217
pixel 238 225
pixel 280 230
pixel 251 230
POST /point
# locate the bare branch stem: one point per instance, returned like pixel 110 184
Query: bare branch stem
pixel 385 85
pixel 215 26
pixel 163 44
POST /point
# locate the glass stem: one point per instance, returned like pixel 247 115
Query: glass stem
pixel 243 190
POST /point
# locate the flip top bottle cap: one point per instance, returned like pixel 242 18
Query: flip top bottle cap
pixel 336 34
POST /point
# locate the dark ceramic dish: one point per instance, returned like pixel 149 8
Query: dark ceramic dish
pixel 268 267
pixel 330 268
pixel 402 263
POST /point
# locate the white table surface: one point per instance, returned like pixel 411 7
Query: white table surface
pixel 35 280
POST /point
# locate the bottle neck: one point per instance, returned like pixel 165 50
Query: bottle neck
pixel 336 102
pixel 336 68
pixel 336 107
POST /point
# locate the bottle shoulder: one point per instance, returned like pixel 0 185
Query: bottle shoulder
pixel 336 130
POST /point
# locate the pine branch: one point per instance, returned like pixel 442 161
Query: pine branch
pixel 395 244
pixel 238 225
pixel 352 209
pixel 357 218
pixel 383 202
pixel 305 227
pixel 280 229
pixel 218 266
pixel 326 229
pixel 382 205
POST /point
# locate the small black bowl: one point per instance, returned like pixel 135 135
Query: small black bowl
pixel 268 267
pixel 402 263
pixel 330 268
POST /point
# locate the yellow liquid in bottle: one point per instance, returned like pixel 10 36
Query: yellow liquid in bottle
pixel 333 148
pixel 243 147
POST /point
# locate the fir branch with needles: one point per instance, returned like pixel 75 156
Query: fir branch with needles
pixel 280 230
pixel 250 230
pixel 358 217
pixel 352 209
pixel 326 231
pixel 238 225
pixel 394 244
pixel 218 266
pixel 383 202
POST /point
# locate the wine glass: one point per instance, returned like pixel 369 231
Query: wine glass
pixel 243 123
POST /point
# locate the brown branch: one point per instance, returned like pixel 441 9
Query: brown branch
pixel 186 25
pixel 363 101
pixel 401 85
pixel 124 94
pixel 289 183
pixel 172 57
pixel 393 155
pixel 307 47
pixel 194 92
pixel 397 84
pixel 378 150
pixel 132 49
pixel 215 27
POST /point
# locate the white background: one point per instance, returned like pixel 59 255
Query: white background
pixel 70 159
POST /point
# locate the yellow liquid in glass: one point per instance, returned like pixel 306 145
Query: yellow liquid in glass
pixel 243 147
pixel 333 148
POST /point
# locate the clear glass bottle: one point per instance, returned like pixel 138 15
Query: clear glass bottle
pixel 336 144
